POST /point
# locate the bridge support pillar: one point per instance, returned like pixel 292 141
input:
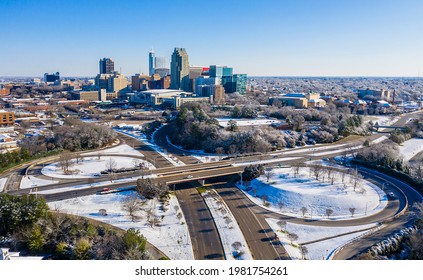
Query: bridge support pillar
pixel 202 182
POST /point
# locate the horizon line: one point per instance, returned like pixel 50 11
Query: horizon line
pixel 252 76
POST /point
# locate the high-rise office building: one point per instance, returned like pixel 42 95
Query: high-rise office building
pixel 107 66
pixel 151 62
pixel 179 70
pixel 240 83
pixel 51 78
pixel 161 62
pixel 162 66
pixel 216 71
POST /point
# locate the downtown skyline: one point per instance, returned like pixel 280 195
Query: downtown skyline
pixel 266 38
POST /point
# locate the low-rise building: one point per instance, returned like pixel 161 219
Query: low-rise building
pixel 165 97
pixel 7 118
pixel 377 94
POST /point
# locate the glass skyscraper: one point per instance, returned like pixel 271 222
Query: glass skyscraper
pixel 179 70
pixel 151 62
pixel 240 83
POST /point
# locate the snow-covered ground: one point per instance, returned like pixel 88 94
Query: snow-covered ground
pixel 246 122
pixel 316 196
pixel 118 150
pixel 379 140
pixel 141 137
pixel 29 181
pixel 411 148
pixel 90 167
pixel 2 183
pixel 312 149
pixel 321 249
pixel 198 154
pixel 171 236
pixel 382 120
pixel 349 149
pixel 227 226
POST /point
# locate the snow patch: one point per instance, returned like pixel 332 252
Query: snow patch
pixel 171 236
pixel 246 122
pixel 90 167
pixel 321 249
pixel 316 196
pixel 227 226
pixel 28 182
pixel 2 183
pixel 411 148
pixel 118 150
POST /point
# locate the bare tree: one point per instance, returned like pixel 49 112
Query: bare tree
pixel 280 204
pixel 323 172
pixel 355 179
pixel 136 163
pixel 292 237
pixel 329 212
pixel 65 162
pixel 297 166
pixel 220 151
pixel 131 205
pixel 232 149
pixel 352 211
pixel 304 251
pixel 268 173
pixel 316 169
pixel 264 199
pixel 281 224
pixel 304 210
pixel 418 169
pixel 237 246
pixel 329 171
pixel 228 221
pixel 111 165
pixel 78 157
pixel 154 220
pixel 179 216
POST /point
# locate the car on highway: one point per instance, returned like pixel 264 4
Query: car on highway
pixel 189 177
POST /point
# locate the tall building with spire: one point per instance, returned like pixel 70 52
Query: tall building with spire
pixel 151 62
pixel 179 70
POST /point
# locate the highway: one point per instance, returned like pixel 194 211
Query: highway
pixel 204 235
pixel 258 234
pixel 250 217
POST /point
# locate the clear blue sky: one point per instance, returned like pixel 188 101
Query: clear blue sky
pixel 261 37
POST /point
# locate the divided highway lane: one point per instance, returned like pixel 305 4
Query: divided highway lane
pixel 150 154
pixel 258 234
pixel 205 238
